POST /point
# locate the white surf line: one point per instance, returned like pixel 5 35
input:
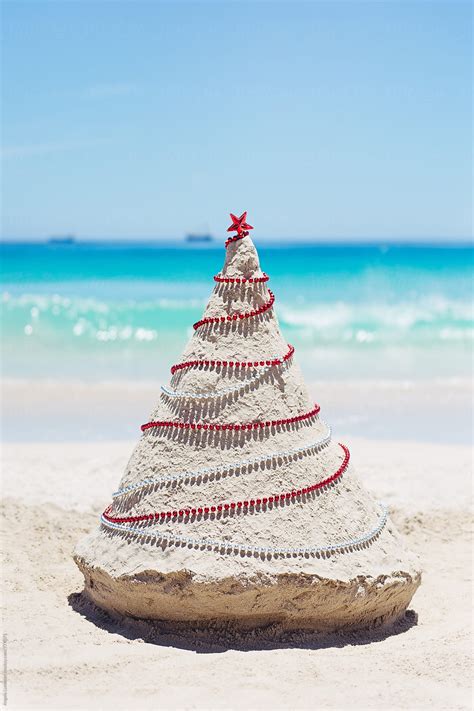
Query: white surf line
pixel 232 546
pixel 207 471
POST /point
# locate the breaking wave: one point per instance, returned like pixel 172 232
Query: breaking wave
pixel 62 318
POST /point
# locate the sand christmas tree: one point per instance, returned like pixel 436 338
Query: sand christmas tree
pixel 237 506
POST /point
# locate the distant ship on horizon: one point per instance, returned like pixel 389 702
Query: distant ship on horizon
pixel 62 239
pixel 199 238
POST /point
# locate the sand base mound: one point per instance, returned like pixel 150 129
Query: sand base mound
pixel 183 599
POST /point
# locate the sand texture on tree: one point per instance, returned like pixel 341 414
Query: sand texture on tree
pixel 359 587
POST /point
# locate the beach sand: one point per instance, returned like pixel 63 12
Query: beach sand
pixel 63 653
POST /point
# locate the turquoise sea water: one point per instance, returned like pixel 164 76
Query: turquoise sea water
pixel 111 311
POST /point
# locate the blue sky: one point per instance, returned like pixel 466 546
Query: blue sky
pixel 151 119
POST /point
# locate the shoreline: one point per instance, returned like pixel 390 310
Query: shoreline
pixel 57 411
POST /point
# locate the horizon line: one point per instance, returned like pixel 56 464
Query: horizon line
pixel 218 241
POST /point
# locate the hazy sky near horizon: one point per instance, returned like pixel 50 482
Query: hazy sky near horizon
pixel 152 119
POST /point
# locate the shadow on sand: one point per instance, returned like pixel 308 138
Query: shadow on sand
pixel 212 639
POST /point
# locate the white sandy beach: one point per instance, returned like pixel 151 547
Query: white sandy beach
pixel 62 653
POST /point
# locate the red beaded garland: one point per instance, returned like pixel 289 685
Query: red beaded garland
pixel 229 240
pixel 236 317
pixel 189 511
pixel 237 280
pixel 233 425
pixel 232 363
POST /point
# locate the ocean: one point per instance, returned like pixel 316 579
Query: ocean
pixel 106 311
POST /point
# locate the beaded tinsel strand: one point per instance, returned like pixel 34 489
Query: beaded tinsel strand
pixel 233 363
pixel 221 468
pixel 229 240
pixel 229 547
pixel 235 317
pixel 238 280
pixel 236 426
pixel 256 503
pixel 241 384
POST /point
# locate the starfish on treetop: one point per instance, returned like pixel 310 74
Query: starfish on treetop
pixel 239 225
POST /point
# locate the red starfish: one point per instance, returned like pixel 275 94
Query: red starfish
pixel 239 224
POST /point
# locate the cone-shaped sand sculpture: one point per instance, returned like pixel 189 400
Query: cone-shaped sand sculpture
pixel 237 506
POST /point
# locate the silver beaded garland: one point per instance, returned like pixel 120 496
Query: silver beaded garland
pixel 224 467
pixel 228 546
pixel 217 393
